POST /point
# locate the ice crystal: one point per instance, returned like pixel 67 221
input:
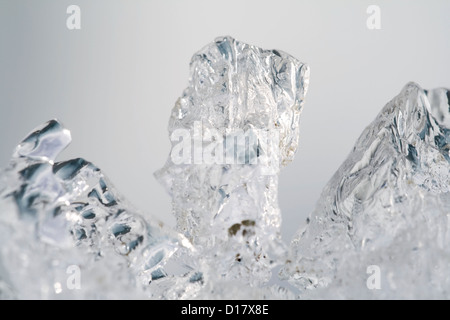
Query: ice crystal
pixel 387 206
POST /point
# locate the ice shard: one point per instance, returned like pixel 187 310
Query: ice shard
pixel 65 232
pixel 233 128
pixel 381 227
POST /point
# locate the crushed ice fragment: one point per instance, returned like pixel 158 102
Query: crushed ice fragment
pixel 387 206
pixel 224 193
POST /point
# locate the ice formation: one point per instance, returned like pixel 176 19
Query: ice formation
pixel 65 232
pixel 245 102
pixel 385 211
pixel 60 218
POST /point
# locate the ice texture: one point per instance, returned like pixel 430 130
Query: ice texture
pixel 60 218
pixel 228 207
pixel 65 232
pixel 387 206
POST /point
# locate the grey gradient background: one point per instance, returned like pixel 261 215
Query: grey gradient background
pixel 113 83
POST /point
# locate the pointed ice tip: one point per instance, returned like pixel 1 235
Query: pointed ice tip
pixel 414 104
pixel 413 86
pixel 224 38
pixel 45 142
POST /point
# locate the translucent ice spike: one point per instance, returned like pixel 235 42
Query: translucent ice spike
pixel 233 128
pixel 387 206
pixel 64 217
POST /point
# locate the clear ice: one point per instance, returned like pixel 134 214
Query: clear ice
pixel 65 231
pixel 387 206
pixel 60 217
pixel 228 208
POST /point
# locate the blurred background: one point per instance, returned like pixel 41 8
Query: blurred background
pixel 114 82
